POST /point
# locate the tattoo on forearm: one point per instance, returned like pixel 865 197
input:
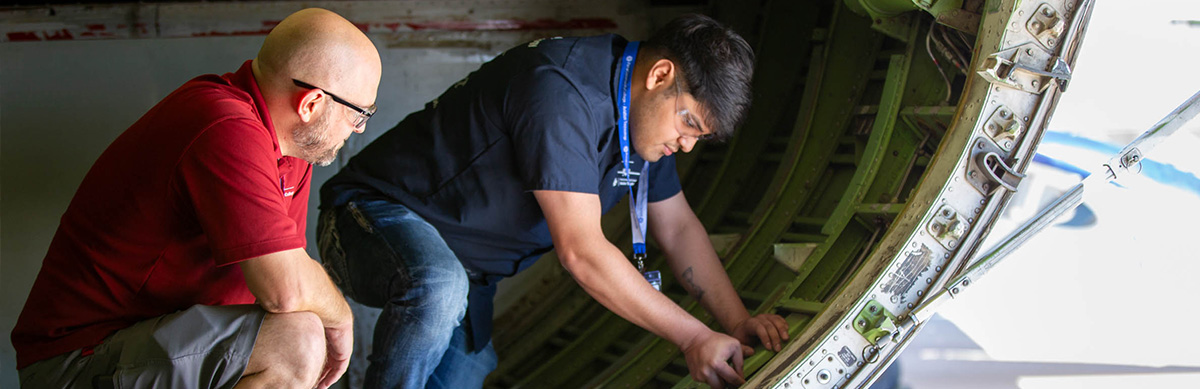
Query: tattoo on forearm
pixel 696 291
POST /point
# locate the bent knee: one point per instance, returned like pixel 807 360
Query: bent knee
pixel 295 345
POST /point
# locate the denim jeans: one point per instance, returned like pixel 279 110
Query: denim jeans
pixel 383 255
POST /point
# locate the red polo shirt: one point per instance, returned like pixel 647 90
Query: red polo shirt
pixel 159 222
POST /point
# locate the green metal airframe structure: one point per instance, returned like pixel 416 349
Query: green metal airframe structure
pixel 865 176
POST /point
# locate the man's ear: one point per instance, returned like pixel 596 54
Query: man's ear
pixel 306 107
pixel 661 73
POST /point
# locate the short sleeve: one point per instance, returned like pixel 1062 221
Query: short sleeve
pixel 664 179
pixel 554 138
pixel 230 174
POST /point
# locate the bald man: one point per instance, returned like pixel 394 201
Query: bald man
pixel 180 261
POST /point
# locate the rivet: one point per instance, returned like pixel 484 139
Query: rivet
pixel 954 290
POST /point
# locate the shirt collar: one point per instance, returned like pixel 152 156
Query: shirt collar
pixel 244 80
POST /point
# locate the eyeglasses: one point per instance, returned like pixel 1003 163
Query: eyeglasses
pixel 361 114
pixel 689 120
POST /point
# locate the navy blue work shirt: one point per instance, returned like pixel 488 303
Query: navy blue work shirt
pixel 541 116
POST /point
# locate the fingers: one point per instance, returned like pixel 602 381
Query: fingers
pixel 780 324
pixel 772 330
pixel 333 372
pixel 727 373
pixel 768 335
pixel 747 351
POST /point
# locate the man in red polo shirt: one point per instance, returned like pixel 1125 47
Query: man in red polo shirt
pixel 180 261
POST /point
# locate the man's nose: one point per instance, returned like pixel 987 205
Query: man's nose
pixel 686 143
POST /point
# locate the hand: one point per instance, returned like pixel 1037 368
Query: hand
pixel 707 357
pixel 771 329
pixel 339 343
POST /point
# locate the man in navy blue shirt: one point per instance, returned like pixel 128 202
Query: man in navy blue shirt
pixel 525 155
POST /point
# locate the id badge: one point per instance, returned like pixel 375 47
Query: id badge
pixel 654 279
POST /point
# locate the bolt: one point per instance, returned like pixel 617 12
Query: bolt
pixel 966 282
pixel 1050 41
pixel 1036 25
pixel 1005 114
pixel 830 359
pixel 986 186
pixel 954 290
pixel 823 376
pixel 1048 12
pixel 1008 144
pixel 971 174
pixel 872 309
pixel 1029 51
pixel 860 323
pixel 953 244
pixel 991 127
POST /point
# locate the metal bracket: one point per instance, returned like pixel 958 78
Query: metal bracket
pixel 1046 25
pixel 948 227
pixel 1004 128
pixel 1022 67
pixel 989 170
pixel 875 324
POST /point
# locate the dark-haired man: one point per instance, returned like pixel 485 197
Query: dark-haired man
pixel 522 156
pixel 180 261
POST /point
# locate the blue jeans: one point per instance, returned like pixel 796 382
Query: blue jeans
pixel 383 255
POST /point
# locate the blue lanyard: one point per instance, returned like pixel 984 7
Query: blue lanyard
pixel 637 203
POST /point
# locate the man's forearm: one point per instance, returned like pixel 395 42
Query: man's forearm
pixel 290 281
pixel 608 276
pixel 695 264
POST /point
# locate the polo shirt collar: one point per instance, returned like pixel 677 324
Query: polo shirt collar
pixel 244 80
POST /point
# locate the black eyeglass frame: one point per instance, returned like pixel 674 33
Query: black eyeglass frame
pixel 365 114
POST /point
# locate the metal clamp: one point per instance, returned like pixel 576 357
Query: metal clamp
pixel 1027 67
pixel 989 161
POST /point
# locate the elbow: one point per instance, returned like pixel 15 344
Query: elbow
pixel 570 261
pixel 577 265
